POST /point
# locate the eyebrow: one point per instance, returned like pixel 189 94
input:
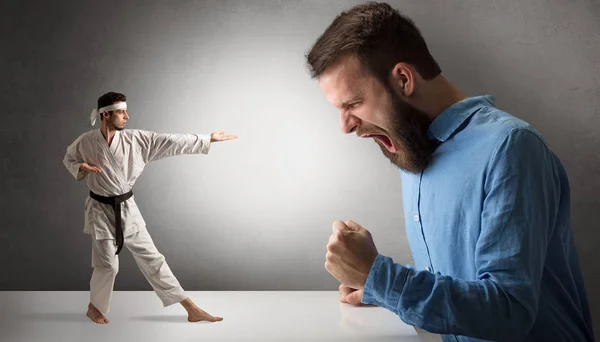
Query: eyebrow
pixel 347 103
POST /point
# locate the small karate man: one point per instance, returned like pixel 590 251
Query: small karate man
pixel 111 159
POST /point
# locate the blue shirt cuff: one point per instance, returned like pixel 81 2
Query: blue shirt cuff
pixel 384 283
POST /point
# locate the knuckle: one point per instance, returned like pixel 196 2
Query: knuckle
pixel 337 225
pixel 330 246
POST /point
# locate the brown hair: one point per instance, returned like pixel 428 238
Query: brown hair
pixel 379 36
pixel 110 98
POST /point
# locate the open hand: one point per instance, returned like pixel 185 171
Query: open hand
pixel 221 136
pixel 85 167
pixel 350 254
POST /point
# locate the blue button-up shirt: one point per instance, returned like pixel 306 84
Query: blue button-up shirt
pixel 489 229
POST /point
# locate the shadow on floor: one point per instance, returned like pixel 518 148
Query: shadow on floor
pixel 57 317
pixel 80 317
pixel 165 318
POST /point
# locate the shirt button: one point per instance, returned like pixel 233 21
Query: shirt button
pixel 416 218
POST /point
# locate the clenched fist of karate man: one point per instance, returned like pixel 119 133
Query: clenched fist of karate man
pixel 350 254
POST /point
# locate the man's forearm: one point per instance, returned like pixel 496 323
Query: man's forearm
pixel 443 305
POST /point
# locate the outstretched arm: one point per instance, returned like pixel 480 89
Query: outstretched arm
pixel 156 146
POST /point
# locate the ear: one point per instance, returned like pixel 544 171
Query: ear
pixel 402 79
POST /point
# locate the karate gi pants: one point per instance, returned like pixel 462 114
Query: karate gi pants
pixel 152 264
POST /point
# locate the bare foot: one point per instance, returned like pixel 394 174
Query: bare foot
pixel 96 316
pixel 195 314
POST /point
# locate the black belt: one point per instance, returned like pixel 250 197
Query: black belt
pixel 115 201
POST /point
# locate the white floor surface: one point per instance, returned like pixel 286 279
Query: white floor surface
pixel 247 316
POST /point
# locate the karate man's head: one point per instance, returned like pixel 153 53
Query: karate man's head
pixel 116 119
pixel 371 63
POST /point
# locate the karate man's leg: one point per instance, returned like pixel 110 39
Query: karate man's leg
pixel 154 268
pixel 158 273
pixel 106 267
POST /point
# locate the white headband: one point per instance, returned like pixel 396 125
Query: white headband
pixel 96 112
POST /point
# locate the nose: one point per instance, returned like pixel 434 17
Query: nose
pixel 348 122
pixel 126 115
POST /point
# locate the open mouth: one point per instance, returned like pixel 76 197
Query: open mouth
pixel 382 140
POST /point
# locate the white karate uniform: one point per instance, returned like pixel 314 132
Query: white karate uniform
pixel 122 163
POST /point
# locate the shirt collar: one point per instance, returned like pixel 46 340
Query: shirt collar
pixel 451 119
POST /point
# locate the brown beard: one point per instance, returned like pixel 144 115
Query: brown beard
pixel 408 132
pixel 115 127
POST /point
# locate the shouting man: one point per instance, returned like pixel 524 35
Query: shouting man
pixel 486 201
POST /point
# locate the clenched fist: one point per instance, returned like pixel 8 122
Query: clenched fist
pixel 351 296
pixel 350 254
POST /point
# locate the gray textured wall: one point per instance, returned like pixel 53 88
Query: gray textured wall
pixel 256 213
